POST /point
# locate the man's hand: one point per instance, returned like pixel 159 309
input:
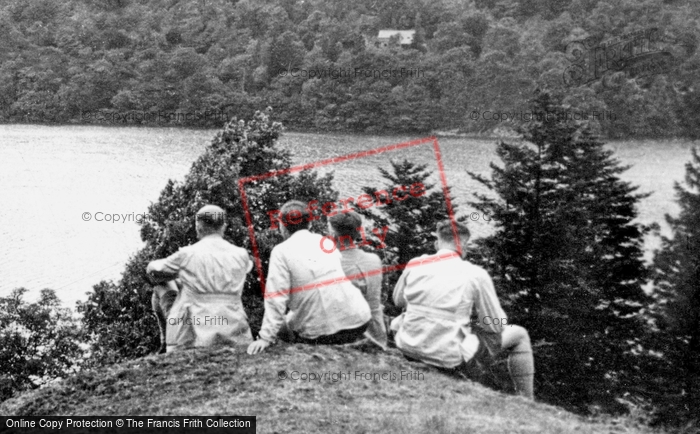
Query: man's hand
pixel 258 346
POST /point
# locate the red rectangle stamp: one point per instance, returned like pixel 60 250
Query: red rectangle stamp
pixel 363 201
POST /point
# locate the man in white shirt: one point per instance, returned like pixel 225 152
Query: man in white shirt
pixel 440 292
pixel 204 308
pixel 324 306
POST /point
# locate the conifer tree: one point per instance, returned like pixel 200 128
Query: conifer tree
pixel 568 256
pixel 119 315
pixel 677 301
pixel 411 223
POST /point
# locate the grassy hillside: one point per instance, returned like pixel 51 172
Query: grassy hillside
pixel 228 381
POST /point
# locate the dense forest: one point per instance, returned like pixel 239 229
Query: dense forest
pixel 320 66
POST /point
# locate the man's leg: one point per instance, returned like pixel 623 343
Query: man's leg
pixel 521 365
pixel 162 300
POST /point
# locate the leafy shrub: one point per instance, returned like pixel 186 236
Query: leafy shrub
pixel 38 341
pixel 118 316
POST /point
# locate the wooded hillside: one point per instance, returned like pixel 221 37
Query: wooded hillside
pixel 318 63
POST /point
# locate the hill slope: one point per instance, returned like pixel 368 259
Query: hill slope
pixel 228 381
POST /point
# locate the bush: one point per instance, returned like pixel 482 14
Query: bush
pixel 118 315
pixel 38 341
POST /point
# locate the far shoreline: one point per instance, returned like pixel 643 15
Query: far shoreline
pixel 447 134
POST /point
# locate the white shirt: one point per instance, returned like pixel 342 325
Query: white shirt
pixel 208 309
pixel 211 265
pixel 439 292
pixel 312 285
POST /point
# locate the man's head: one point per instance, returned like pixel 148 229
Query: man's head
pixel 211 219
pixel 346 223
pixel 296 217
pixel 345 226
pixel 446 238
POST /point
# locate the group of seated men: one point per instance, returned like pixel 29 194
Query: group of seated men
pixel 309 299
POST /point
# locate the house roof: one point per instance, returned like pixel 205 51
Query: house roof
pixel 406 36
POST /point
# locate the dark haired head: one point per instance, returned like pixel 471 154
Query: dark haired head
pixel 346 223
pixel 444 231
pixel 295 216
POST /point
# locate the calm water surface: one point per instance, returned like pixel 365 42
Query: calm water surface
pixel 51 176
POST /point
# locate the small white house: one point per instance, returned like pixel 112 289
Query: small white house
pixel 405 37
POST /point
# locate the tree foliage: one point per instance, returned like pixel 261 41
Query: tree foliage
pixel 677 305
pixel 568 254
pixel 118 315
pixel 39 341
pixel 410 223
pixel 318 65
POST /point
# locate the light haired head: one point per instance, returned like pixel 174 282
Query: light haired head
pixel 299 214
pixel 211 219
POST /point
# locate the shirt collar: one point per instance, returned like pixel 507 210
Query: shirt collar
pixel 447 252
pixel 300 231
pixel 210 237
pixel 350 251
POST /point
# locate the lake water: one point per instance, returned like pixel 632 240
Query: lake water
pixel 50 176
